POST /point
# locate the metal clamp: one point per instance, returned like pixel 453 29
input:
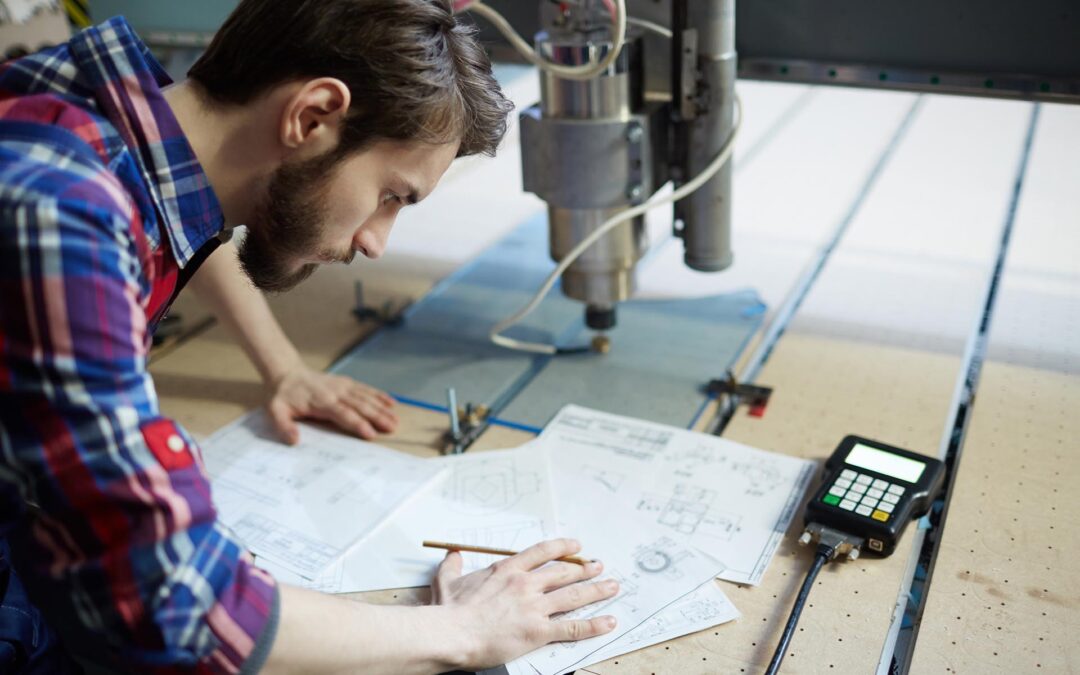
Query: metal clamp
pixel 466 424
pixel 755 396
pixel 586 164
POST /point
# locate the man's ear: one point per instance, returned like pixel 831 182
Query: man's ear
pixel 312 118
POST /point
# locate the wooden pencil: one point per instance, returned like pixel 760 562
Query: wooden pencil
pixel 495 551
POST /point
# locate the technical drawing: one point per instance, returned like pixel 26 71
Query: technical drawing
pixel 762 476
pixel 689 512
pixel 518 536
pixel 687 507
pixel 329 580
pixel 660 558
pixel 482 488
pixel 277 543
pixel 352 492
pixel 683 511
pixel 628 440
pixel 720 525
pixel 689 462
pixel 612 480
pixel 301 507
pixel 260 477
pixel 699 611
pixel 654 627
pixel 654 562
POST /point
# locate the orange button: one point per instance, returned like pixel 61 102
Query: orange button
pixel 880 515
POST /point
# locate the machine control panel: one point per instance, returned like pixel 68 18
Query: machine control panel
pixel 872 490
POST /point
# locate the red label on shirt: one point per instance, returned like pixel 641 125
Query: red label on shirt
pixel 169 447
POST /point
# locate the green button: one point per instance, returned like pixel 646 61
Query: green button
pixel 831 499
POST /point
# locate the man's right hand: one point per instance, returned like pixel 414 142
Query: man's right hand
pixel 476 621
pixel 507 609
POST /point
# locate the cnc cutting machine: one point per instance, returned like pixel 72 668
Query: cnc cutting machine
pixel 596 147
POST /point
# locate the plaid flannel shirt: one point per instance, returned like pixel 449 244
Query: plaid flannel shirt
pixel 104 212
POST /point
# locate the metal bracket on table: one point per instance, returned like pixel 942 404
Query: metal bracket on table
pixel 466 424
pixel 389 314
pixel 755 396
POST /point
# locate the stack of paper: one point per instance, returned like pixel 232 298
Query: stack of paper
pixel 726 499
pixel 499 499
pixel 682 491
pixel 667 510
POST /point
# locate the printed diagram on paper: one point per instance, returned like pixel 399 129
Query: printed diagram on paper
pixel 491 484
pixel 703 608
pixel 653 573
pixel 688 510
pixel 621 435
pixel 499 499
pixel 300 508
pixel 729 500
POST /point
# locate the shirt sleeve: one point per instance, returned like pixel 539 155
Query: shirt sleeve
pixel 107 503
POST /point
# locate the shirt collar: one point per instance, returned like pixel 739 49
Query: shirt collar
pixel 126 82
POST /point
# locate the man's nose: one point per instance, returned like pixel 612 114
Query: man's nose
pixel 371 241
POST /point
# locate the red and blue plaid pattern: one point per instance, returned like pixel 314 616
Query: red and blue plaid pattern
pixel 104 209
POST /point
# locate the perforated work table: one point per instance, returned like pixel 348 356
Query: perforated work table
pixel 869 222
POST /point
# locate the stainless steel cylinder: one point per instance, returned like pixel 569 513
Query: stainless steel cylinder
pixel 706 214
pixel 604 274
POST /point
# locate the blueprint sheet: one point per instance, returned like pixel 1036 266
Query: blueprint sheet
pixel 302 507
pixel 653 571
pixel 705 607
pixel 702 608
pixel 728 500
pixel 500 499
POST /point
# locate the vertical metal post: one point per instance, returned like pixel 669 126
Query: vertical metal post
pixel 704 77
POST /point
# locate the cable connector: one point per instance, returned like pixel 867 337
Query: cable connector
pixel 832 543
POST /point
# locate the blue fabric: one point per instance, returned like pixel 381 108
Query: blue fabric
pixel 28 645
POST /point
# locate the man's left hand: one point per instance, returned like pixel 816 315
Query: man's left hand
pixel 352 406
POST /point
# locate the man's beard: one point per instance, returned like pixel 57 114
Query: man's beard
pixel 288 226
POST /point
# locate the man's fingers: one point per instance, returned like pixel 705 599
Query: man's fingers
pixel 348 419
pixel 385 399
pixel 572 631
pixel 380 417
pixel 544 552
pixel 559 574
pixel 448 570
pixel 281 418
pixel 569 598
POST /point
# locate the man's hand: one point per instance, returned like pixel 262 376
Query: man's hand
pixel 352 406
pixel 507 608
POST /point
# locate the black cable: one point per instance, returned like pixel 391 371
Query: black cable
pixel 573 350
pixel 823 555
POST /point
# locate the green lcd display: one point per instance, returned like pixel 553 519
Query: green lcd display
pixel 895 466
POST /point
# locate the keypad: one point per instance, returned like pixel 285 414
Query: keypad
pixel 865 495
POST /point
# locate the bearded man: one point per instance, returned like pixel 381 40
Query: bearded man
pixel 311 123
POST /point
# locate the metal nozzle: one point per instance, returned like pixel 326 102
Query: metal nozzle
pixel 599 317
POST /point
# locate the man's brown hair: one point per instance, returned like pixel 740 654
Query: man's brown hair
pixel 415 73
